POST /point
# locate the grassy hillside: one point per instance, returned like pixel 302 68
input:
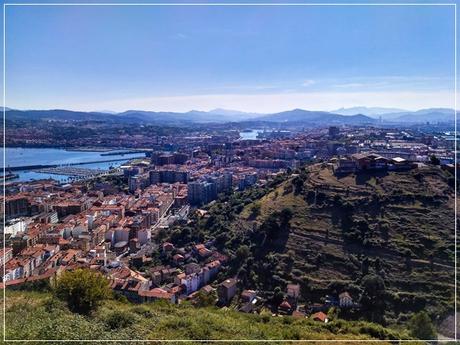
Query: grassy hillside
pixel 346 233
pixel 33 315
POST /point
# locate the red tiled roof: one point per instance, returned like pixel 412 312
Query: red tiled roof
pixel 298 314
pixel 155 293
pixel 319 316
pixel 285 305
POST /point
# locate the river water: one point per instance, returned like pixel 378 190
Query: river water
pixel 42 156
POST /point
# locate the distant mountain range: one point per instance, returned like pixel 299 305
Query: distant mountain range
pixel 349 116
pixel 317 117
pixel 432 115
pixel 216 115
pixel 369 111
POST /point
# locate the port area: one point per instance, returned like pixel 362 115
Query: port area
pixel 72 171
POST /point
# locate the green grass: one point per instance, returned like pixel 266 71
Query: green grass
pixel 33 315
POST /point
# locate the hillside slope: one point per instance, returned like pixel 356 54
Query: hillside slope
pixel 32 315
pixel 399 226
pixel 339 234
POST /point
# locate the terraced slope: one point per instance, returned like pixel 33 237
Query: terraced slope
pixel 396 226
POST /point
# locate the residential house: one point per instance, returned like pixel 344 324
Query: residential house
pixel 320 316
pixel 156 294
pixel 370 161
pixel 345 300
pixel 248 295
pixel 344 165
pixel 293 291
pixel 226 290
pixel 298 314
pixel 285 308
pixel 6 254
pixel 399 163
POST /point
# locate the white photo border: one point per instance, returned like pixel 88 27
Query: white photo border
pixel 454 5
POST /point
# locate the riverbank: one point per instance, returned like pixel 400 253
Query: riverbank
pixel 69 148
pixel 23 161
pixel 41 166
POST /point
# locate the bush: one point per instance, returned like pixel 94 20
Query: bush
pixel 421 327
pixel 53 304
pixel 242 253
pixel 118 296
pixel 83 290
pixel 255 209
pixel 434 160
pixel 119 319
pixel 143 311
pixel 204 299
pixel 39 285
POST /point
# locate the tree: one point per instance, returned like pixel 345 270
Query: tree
pixel 242 253
pixel 363 227
pixel 255 209
pixel 372 298
pixel 270 226
pixel 83 290
pixel 347 216
pixel 278 296
pixel 221 239
pixel 434 160
pixel 290 259
pixel 421 327
pixel 297 182
pixel 204 299
pixel 285 216
pixel 305 287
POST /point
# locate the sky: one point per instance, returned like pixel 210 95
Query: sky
pixel 249 58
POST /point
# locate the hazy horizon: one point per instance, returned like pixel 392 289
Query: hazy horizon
pixel 217 109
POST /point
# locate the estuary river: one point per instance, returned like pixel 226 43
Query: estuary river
pixel 43 156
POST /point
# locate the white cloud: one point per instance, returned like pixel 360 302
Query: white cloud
pixel 349 85
pixel 308 83
pixel 274 102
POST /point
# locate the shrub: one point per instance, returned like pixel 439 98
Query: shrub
pixel 143 311
pixel 53 304
pixel 83 290
pixel 242 253
pixel 119 319
pixel 204 299
pixel 255 209
pixel 434 160
pixel 421 327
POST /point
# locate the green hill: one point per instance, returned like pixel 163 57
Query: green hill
pixel 34 315
pixel 386 238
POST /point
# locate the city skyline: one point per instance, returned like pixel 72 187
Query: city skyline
pixel 256 59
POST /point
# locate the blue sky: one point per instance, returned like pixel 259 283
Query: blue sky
pixel 251 58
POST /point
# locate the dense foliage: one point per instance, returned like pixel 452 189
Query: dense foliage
pixel 421 327
pixel 82 290
pixel 33 315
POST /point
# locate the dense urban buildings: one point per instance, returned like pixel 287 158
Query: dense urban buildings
pixel 116 223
